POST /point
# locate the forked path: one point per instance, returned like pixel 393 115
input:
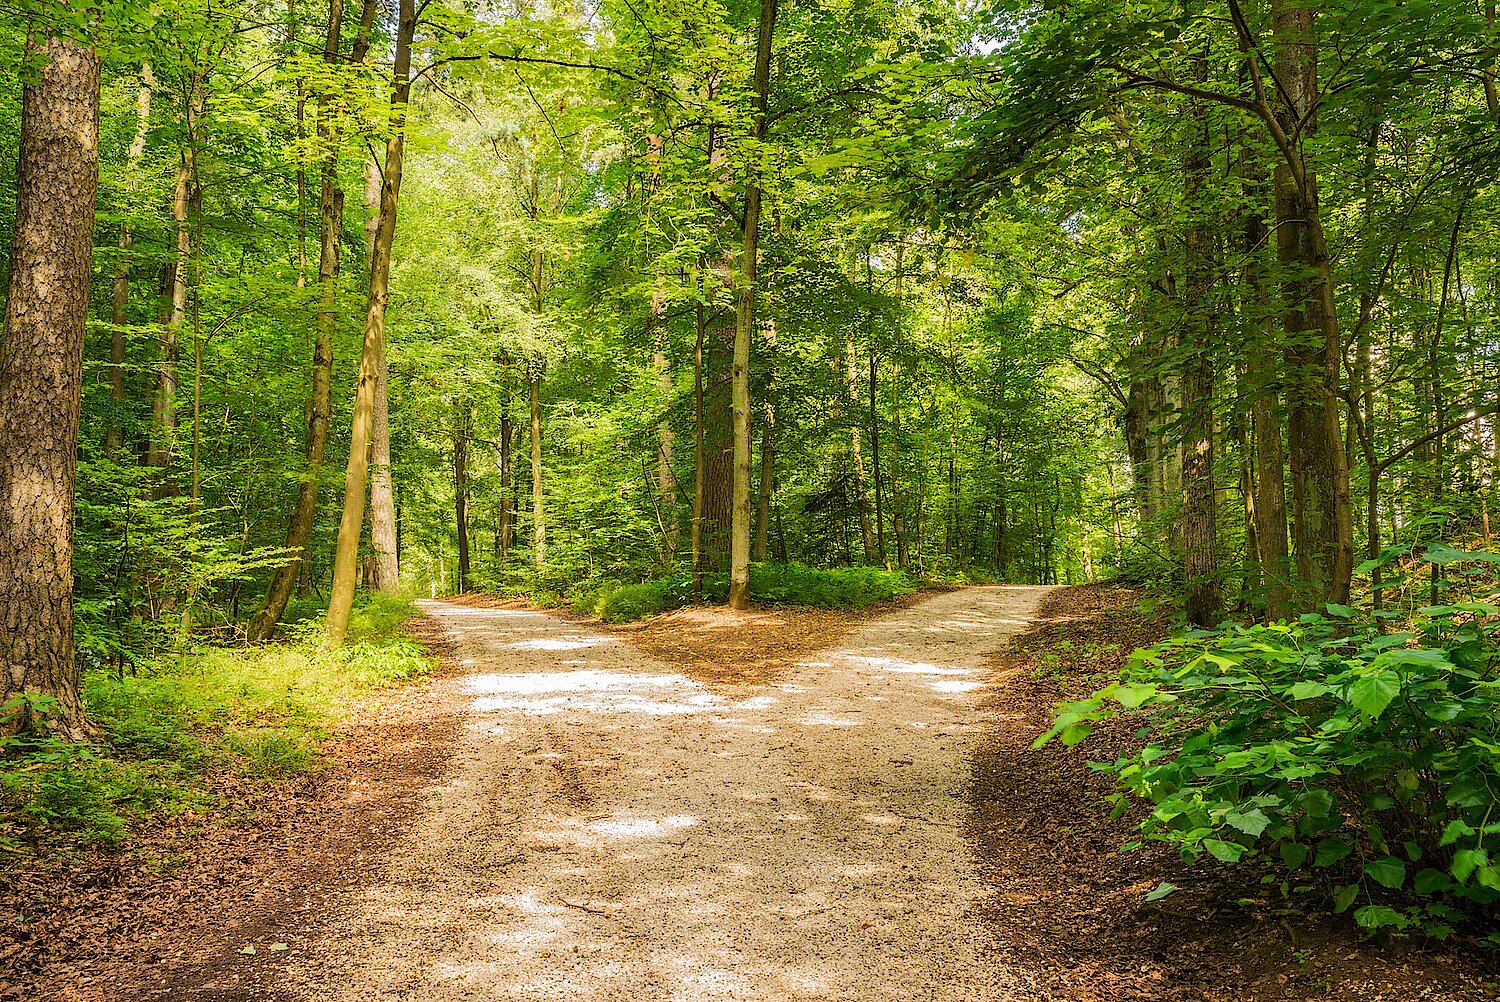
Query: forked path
pixel 613 830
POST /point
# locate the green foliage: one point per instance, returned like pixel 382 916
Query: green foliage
pixel 770 584
pixel 184 719
pixel 1358 761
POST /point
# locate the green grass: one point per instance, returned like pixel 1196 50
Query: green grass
pixel 190 719
pixel 770 584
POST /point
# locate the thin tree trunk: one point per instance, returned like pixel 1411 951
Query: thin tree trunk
pixel 114 435
pixel 744 327
pixel 699 331
pixel 666 480
pixel 507 526
pixel 319 409
pixel 856 452
pixel 386 562
pixel 164 400
pixel 538 507
pixel 767 479
pixel 462 432
pixel 346 556
pixel 41 378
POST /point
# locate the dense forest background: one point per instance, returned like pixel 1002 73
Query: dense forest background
pixel 632 303
pixel 1025 302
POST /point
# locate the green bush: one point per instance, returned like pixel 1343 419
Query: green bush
pixel 770 584
pixel 1355 762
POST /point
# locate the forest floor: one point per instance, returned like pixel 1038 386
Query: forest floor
pixel 762 806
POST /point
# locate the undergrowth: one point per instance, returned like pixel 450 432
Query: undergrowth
pixel 188 719
pixel 1349 757
pixel 770 584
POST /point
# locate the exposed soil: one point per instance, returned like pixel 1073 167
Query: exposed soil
pixel 185 902
pixel 1069 904
pixel 718 645
pixel 773 805
pixel 615 830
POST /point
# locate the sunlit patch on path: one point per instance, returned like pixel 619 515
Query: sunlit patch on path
pixel 614 830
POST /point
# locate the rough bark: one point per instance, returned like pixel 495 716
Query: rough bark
pixel 346 555
pixel 744 328
pixel 1322 526
pixel 41 376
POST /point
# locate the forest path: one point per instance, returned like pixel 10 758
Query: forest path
pixel 611 829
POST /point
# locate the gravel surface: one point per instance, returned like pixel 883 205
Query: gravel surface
pixel 611 829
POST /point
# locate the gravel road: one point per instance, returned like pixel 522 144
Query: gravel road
pixel 611 829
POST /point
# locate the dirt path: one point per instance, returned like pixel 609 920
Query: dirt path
pixel 613 830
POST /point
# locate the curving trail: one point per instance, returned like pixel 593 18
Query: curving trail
pixel 613 830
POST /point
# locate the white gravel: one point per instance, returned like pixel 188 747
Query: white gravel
pixel 613 830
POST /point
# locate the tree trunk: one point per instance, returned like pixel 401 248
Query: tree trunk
pixel 463 429
pixel 856 453
pixel 1199 517
pixel 346 556
pixel 507 528
pixel 164 400
pixel 386 562
pixel 319 409
pixel 41 377
pixel 538 507
pixel 1322 512
pixel 744 327
pixel 767 479
pixel 699 472
pixel 114 435
pixel 666 480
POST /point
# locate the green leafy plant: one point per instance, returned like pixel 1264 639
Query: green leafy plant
pixel 1359 762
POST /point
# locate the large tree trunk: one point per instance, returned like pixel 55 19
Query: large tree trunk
pixel 114 435
pixel 346 556
pixel 744 327
pixel 319 408
pixel 1322 512
pixel 41 376
pixel 382 489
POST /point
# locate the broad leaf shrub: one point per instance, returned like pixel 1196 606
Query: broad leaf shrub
pixel 1348 760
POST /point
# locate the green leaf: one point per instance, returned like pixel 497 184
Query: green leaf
pixel 1330 850
pixel 1308 690
pixel 1293 854
pixel 1466 861
pixel 1341 611
pixel 1378 916
pixel 1387 871
pixel 1371 694
pixel 1430 881
pixel 1162 890
pixel 1224 852
pixel 1455 831
pixel 1250 822
pixel 1344 897
pixel 1074 733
